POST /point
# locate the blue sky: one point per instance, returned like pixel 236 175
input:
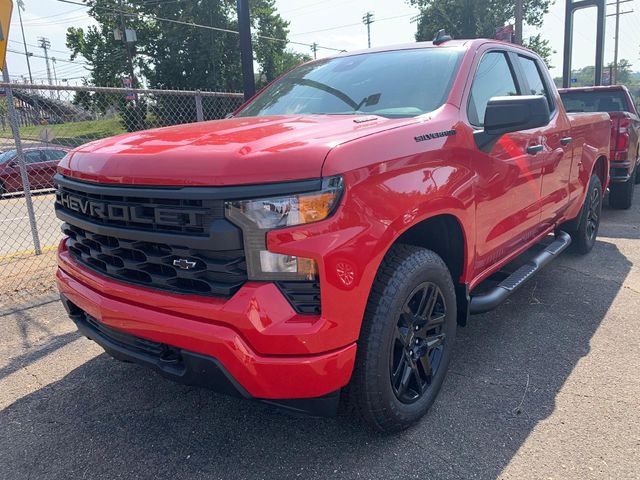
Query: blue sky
pixel 316 21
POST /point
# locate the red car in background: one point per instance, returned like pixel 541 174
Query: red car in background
pixel 41 165
pixel 625 134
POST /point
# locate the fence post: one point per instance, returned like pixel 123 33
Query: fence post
pixel 13 121
pixel 199 113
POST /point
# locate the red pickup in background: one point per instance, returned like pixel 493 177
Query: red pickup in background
pixel 625 135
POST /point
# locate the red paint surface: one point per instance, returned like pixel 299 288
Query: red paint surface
pixel 504 201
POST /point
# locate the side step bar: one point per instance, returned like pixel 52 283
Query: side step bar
pixel 491 299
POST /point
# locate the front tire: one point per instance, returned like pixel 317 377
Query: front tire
pixel 406 340
pixel 584 236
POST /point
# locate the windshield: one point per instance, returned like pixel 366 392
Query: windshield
pixel 399 83
pixel 6 156
pixel 595 101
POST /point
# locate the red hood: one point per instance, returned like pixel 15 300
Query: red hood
pixel 222 152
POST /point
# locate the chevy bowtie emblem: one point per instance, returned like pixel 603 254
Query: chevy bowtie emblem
pixel 184 264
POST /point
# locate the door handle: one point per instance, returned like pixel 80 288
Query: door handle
pixel 566 140
pixel 533 149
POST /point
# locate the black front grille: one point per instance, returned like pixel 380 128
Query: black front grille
pixel 187 216
pixel 207 272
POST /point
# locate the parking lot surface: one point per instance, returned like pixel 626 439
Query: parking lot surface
pixel 546 386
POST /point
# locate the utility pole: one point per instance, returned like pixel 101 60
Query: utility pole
pixel 246 51
pixel 367 19
pixel 614 75
pixel 45 44
pixel 127 48
pixel 314 49
pixel 55 75
pixel 24 42
pixel 519 21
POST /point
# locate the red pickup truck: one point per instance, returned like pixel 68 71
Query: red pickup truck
pixel 327 240
pixel 625 135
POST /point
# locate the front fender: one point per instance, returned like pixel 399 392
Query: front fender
pixel 379 204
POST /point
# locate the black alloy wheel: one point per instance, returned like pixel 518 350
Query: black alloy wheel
pixel 593 213
pixel 406 340
pixel 419 342
pixel 583 235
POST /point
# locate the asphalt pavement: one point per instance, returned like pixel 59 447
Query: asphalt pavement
pixel 546 386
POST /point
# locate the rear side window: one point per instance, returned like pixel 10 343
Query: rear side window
pixel 54 154
pixel 534 79
pixel 494 78
pixel 32 157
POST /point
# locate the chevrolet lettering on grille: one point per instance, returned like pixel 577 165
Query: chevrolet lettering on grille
pixel 129 213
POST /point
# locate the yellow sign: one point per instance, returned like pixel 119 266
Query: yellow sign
pixel 6 6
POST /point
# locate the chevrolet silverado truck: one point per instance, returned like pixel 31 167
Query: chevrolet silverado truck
pixel 321 246
pixel 624 157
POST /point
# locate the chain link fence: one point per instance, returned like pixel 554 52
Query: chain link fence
pixel 50 121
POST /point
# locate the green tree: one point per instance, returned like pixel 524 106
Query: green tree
pixel 541 46
pixel 268 53
pixel 624 75
pixel 479 19
pixel 175 54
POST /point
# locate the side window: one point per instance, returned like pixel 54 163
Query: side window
pixel 534 79
pixel 54 154
pixel 493 79
pixel 32 157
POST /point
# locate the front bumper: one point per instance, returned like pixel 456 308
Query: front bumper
pixel 231 335
pixel 183 366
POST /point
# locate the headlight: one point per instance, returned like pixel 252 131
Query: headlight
pixel 257 216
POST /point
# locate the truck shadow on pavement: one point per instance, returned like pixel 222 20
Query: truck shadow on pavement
pixel 107 419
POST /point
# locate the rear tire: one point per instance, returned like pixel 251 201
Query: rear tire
pixel 621 194
pixel 584 236
pixel 406 340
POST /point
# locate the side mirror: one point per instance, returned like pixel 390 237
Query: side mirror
pixel 512 114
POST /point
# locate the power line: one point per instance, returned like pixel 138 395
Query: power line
pixel 38 46
pixel 349 25
pixel 42 56
pixel 196 25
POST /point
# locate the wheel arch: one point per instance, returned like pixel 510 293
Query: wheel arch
pixel 601 169
pixel 444 234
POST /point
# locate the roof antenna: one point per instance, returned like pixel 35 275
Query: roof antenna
pixel 441 37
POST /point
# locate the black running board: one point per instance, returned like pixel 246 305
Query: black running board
pixel 491 299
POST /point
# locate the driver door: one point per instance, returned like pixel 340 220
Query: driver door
pixel 508 173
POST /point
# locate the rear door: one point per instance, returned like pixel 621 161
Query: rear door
pixel 509 178
pixel 554 153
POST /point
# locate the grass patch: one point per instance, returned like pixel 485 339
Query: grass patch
pixel 71 134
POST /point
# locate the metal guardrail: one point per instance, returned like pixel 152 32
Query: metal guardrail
pixel 38 125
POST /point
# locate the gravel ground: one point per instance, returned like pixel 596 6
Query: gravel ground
pixel 546 386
